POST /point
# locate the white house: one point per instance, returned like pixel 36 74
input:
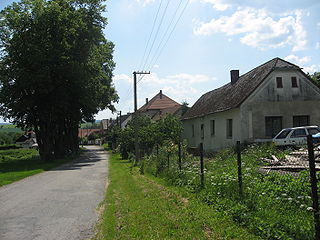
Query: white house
pixel 253 107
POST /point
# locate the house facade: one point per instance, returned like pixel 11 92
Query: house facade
pixel 253 107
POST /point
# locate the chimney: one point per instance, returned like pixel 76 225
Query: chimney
pixel 160 94
pixel 147 100
pixel 234 76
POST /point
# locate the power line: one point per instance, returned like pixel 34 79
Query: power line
pixel 157 32
pixel 167 29
pixel 176 23
pixel 154 23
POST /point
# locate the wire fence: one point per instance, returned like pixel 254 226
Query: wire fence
pixel 231 181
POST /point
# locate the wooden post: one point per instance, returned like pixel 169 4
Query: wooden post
pixel 135 118
pixel 168 161
pixel 239 168
pixel 179 153
pixel 314 188
pixel 201 166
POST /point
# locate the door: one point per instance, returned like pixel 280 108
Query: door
pixel 273 125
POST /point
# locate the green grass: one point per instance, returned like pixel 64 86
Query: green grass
pixel 142 207
pixel 274 206
pixel 16 164
pixel 10 128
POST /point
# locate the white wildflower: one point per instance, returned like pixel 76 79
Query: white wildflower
pixel 309 209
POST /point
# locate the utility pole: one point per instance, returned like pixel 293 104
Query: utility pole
pixel 135 115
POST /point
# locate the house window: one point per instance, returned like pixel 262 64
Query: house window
pixel 192 129
pixel 273 125
pixel 294 82
pixel 229 128
pixel 212 128
pixel 279 82
pixel 202 131
pixel 302 120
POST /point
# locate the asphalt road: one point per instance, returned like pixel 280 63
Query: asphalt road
pixel 58 204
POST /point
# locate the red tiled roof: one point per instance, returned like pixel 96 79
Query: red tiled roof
pixel 159 102
pixel 86 132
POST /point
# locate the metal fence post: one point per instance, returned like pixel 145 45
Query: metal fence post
pixel 314 189
pixel 239 168
pixel 201 166
pixel 179 153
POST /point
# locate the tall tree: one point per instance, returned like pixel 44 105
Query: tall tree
pixel 55 69
pixel 315 77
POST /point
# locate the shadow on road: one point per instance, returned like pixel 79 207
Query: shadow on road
pixel 87 160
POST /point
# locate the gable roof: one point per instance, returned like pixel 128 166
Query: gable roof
pixel 159 101
pixel 163 113
pixel 233 95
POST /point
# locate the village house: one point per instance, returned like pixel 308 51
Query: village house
pixel 253 107
pixel 160 106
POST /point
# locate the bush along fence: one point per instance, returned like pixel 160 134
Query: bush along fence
pixel 273 205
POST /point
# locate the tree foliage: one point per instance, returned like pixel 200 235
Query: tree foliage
pixel 55 69
pixel 150 134
pixel 315 77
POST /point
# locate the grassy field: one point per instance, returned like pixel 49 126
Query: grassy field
pixel 142 207
pixel 16 164
pixel 273 206
pixel 7 128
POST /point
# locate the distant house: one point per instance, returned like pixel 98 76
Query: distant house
pixel 123 120
pixel 253 107
pixel 120 121
pixel 28 140
pixel 86 132
pixel 105 123
pixel 160 106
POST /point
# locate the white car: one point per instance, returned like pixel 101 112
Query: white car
pixel 294 136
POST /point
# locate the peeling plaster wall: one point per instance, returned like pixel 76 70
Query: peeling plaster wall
pixel 268 100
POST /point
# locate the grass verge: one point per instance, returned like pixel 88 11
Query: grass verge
pixel 16 164
pixel 142 207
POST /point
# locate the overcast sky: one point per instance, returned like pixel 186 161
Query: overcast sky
pixel 211 38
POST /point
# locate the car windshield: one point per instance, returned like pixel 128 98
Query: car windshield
pixel 313 131
pixel 283 134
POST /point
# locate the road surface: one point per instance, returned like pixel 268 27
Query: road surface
pixel 60 204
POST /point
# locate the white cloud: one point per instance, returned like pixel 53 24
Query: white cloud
pixel 258 29
pixel 302 62
pixel 122 77
pixel 299 61
pixel 145 2
pixel 318 45
pixel 311 69
pixel 218 5
pixel 179 87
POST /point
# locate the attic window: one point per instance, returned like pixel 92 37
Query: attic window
pixel 279 82
pixel 294 82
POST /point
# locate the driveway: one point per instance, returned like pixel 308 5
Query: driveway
pixel 58 204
